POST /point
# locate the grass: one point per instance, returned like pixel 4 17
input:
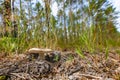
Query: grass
pixel 8 45
pixel 87 40
pixel 79 52
pixel 106 53
pixel 79 37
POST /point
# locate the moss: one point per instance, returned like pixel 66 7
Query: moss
pixel 2 77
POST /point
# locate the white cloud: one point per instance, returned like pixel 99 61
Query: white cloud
pixel 54 9
pixel 116 4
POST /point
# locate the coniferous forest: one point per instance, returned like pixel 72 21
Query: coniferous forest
pixel 59 40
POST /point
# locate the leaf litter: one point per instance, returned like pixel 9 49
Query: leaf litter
pixel 70 67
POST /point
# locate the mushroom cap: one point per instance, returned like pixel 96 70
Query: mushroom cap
pixel 39 50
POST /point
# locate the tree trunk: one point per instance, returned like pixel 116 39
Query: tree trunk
pixel 47 14
pixel 65 29
pixel 14 23
pixel 7 15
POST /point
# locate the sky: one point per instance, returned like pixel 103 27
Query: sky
pixel 54 9
pixel 116 4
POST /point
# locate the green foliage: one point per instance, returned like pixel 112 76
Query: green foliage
pixel 8 44
pixel 76 24
pixel 70 57
pixel 106 53
pixel 56 58
pixel 80 53
pixel 2 77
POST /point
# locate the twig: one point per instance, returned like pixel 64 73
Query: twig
pixel 88 76
pixel 17 75
pixel 76 70
pixel 22 75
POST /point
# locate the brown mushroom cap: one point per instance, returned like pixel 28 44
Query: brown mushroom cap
pixel 39 50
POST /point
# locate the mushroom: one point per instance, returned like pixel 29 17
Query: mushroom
pixel 37 53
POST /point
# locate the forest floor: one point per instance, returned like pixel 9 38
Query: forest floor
pixel 70 67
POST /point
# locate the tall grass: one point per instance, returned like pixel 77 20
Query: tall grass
pixel 65 31
pixel 87 40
